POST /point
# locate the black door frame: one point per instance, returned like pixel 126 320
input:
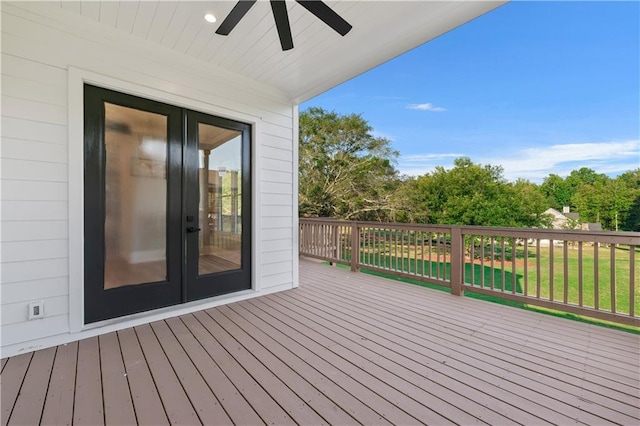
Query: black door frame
pixel 180 286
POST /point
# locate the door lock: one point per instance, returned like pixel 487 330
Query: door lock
pixel 191 229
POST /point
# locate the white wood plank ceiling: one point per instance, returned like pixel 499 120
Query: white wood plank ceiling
pixel 321 58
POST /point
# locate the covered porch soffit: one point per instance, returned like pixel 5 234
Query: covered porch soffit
pixel 320 59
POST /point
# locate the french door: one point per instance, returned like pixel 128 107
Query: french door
pixel 167 195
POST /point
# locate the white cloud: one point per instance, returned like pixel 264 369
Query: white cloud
pixel 538 162
pixel 428 157
pixel 426 107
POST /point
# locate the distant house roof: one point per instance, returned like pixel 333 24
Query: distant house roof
pixel 554 212
pixel 560 219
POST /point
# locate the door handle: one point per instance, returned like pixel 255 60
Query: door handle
pixel 191 229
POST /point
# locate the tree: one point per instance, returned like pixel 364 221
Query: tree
pixel 560 192
pixel 557 191
pixel 345 172
pixel 631 221
pixel 610 201
pixel 473 194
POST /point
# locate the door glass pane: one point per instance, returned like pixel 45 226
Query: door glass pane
pixel 136 196
pixel 220 206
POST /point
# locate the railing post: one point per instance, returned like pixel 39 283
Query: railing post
pixel 457 261
pixel 355 247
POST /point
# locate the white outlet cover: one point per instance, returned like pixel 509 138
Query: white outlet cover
pixel 36 310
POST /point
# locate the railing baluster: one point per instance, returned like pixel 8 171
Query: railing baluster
pixel 526 266
pixel 321 242
pixel 632 278
pixel 538 268
pixel 551 261
pixel 513 266
pixel 463 260
pixel 438 249
pixel 355 247
pixel 565 255
pixel 430 237
pixel 493 254
pixel 375 248
pixel 502 261
pixel 394 240
pixel 580 286
pixel 612 284
pixel 368 243
pixel 422 253
pixel 415 252
pixel 402 251
pixel 472 255
pixel 482 261
pixel 444 262
pixel 339 242
pixel 596 280
pixel 384 248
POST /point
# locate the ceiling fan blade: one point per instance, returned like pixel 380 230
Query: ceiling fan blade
pixel 237 13
pixel 279 9
pixel 326 15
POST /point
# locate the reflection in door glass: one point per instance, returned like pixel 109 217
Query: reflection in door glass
pixel 220 207
pixel 136 196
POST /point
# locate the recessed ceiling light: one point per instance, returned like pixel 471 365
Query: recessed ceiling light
pixel 209 17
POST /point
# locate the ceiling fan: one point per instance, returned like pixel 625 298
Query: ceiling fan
pixel 280 15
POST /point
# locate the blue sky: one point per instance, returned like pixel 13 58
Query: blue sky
pixel 536 87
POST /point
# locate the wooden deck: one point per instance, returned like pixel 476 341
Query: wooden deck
pixel 344 348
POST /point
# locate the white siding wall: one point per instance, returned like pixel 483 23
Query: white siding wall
pixel 36 55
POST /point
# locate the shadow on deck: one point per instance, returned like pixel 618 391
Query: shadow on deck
pixel 344 348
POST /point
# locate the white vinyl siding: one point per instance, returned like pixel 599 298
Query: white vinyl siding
pixel 37 53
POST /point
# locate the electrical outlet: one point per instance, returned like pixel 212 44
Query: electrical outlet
pixel 36 310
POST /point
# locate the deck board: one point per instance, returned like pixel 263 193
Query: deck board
pixel 417 374
pixel 421 356
pixel 323 406
pixel 174 398
pixel 344 348
pixel 28 408
pixel 486 361
pixel 118 405
pixel 299 411
pixel 504 337
pixel 230 398
pixel 144 394
pixel 58 406
pixel 11 382
pixel 393 406
pixel 326 381
pixel 256 396
pixel 88 406
pixel 505 352
pixel 421 404
pixel 202 398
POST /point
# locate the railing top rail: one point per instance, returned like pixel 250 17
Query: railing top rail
pixel 364 224
pixel 620 237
